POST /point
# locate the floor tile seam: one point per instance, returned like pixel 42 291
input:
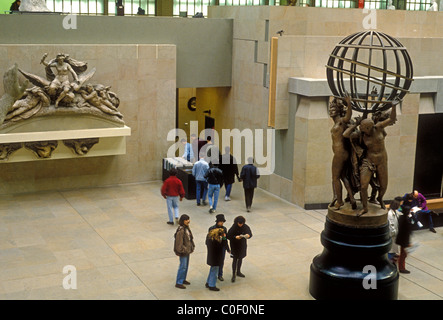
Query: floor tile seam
pixel 109 246
pixel 421 286
pixel 415 266
pixel 296 206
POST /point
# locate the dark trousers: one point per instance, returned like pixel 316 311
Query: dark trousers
pixel 249 194
pixel 236 265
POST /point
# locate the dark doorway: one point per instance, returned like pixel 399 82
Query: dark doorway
pixel 209 127
pixel 209 123
pixel 428 173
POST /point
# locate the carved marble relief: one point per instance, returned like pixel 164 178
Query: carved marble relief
pixel 62 96
pixel 42 149
pixel 80 147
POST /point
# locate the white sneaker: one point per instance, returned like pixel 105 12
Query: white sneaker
pixel 227 199
pixel 419 224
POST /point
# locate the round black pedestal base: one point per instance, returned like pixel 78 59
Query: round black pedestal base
pixel 354 264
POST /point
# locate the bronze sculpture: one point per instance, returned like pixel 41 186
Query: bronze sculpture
pixel 350 75
pixel 341 151
pixel 372 72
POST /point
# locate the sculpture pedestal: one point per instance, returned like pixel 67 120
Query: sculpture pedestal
pixel 354 263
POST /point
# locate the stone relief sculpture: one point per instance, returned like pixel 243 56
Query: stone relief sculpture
pixel 80 146
pixel 34 99
pixel 13 91
pixel 64 91
pixel 6 149
pixel 33 6
pixel 434 6
pixel 42 149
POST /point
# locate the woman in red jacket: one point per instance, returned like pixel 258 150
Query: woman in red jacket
pixel 172 189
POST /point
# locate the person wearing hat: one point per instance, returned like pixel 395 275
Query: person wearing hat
pixel 219 221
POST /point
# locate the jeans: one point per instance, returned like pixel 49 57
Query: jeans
pixel 182 269
pixel 202 187
pixel 213 190
pixel 172 204
pixel 228 190
pixel 422 213
pixel 212 277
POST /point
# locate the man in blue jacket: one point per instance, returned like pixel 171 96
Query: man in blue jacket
pixel 198 171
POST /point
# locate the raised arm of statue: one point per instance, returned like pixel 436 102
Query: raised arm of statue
pixel 392 118
pixel 42 61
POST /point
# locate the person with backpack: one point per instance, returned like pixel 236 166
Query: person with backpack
pixel 183 247
pixel 214 177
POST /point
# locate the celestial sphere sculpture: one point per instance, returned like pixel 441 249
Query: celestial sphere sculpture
pixel 373 68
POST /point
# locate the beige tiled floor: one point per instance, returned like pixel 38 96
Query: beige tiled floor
pixel 118 241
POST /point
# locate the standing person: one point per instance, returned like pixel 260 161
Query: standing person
pixel 228 166
pixel 393 215
pixel 183 247
pixel 214 177
pixel 172 190
pixel 419 201
pixel 237 235
pixel 198 171
pixel 249 175
pixel 215 243
pixel 403 238
pixel 206 147
pixel 194 146
pixel 189 152
pixel 15 6
pixel 219 221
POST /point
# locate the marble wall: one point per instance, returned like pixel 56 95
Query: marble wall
pixel 144 78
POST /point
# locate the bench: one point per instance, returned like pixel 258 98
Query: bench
pixel 435 205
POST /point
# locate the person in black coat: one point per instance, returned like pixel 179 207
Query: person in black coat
pixel 404 236
pixel 237 235
pixel 219 221
pixel 228 166
pixel 215 243
pixel 249 175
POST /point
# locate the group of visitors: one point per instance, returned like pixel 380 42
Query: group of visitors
pixel 217 246
pixel 210 177
pixel 403 213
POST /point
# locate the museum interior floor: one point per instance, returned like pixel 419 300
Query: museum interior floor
pixel 121 247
